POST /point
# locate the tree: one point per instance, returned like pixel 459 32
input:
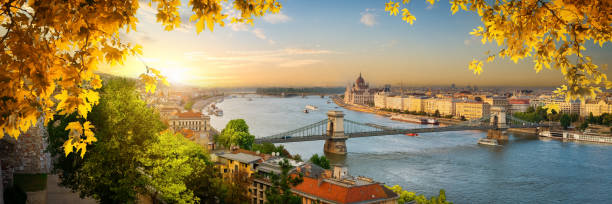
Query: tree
pixel 168 162
pixel 297 157
pixel 280 192
pixel 268 148
pixel 530 109
pixel 583 126
pixel 550 32
pixel 407 196
pixel 236 132
pixel 131 156
pixel 51 51
pixel 565 121
pixel 320 161
pixel 437 113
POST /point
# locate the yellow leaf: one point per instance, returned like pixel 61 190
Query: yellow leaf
pixel 199 26
pixel 68 146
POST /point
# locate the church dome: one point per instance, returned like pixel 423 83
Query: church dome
pixel 359 80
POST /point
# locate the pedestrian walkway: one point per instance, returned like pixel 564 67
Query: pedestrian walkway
pixel 60 195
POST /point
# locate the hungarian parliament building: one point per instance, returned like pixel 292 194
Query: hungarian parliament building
pixel 359 93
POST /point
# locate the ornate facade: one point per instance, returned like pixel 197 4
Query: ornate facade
pixel 359 93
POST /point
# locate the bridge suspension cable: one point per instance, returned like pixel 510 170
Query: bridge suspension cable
pixel 318 130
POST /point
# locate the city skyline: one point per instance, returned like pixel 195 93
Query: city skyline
pixel 314 43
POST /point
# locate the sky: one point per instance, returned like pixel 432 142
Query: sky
pixel 328 43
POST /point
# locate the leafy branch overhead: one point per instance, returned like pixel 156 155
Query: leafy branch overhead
pixel 552 33
pixel 52 51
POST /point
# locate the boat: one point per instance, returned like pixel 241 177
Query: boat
pixel 408 119
pixel 305 110
pixel 311 107
pixel 432 121
pixel 412 134
pixel 218 112
pixel 328 102
pixel 487 141
pixel 249 99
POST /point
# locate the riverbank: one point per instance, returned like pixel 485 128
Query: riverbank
pixel 200 104
pixel 367 109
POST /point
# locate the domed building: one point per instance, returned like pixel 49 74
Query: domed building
pixel 359 93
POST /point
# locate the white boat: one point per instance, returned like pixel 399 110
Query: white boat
pixel 218 112
pixel 305 110
pixel 487 141
pixel 311 107
pixel 408 119
pixel 432 121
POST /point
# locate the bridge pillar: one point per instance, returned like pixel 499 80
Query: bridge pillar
pixel 498 118
pixel 336 144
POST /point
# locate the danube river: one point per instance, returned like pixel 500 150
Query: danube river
pixel 524 170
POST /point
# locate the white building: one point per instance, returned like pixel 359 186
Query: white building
pixel 360 93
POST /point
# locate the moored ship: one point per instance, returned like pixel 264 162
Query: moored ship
pixel 409 119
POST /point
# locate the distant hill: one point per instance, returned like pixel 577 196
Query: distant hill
pixel 302 90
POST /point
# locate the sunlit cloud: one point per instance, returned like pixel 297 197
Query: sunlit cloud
pixel 299 63
pixel 258 32
pixel 239 27
pixel 277 18
pixel 368 18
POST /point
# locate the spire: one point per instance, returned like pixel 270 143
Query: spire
pixel 359 74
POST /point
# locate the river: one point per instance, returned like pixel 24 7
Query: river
pixel 526 169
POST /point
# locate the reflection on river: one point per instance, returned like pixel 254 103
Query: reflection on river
pixel 525 169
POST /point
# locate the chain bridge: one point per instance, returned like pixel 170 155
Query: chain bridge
pixel 335 130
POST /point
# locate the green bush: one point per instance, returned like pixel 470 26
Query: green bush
pixel 30 182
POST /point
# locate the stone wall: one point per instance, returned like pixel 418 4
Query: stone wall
pixel 24 155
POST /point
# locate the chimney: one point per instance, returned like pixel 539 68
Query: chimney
pixel 340 172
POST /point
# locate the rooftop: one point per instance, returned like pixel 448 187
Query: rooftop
pixel 329 190
pixel 189 114
pixel 241 157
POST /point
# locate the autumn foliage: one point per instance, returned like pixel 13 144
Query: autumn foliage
pixel 52 50
pixel 552 33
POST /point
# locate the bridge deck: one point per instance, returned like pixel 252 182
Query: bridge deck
pixel 386 131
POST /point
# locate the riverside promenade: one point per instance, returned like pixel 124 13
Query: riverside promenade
pixel 367 109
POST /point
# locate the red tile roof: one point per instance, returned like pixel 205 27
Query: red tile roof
pixel 518 101
pixel 189 114
pixel 342 194
pixel 187 133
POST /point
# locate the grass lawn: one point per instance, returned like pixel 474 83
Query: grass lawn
pixel 30 182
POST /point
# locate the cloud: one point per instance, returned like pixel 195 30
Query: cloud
pixel 137 37
pixel 288 57
pixel 276 18
pixel 239 27
pixel 258 32
pixel 368 18
pixel 299 63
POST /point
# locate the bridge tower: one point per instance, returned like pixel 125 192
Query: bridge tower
pixel 336 143
pixel 498 118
